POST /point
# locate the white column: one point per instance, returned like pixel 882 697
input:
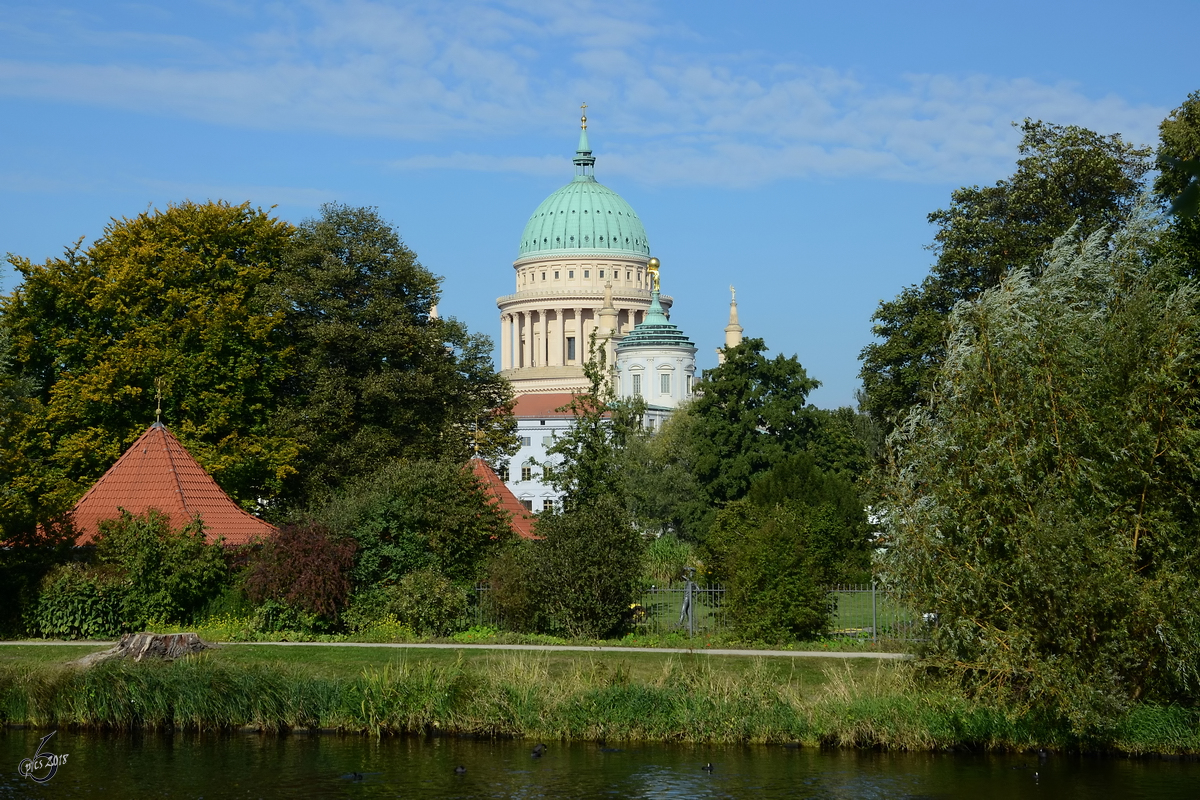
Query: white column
pixel 505 341
pixel 556 346
pixel 586 327
pixel 544 342
pixel 524 335
pixel 581 342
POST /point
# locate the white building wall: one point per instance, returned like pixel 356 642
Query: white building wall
pixel 536 436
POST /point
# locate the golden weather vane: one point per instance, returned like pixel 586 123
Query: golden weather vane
pixel 583 117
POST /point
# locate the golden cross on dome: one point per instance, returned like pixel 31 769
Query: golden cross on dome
pixel 583 119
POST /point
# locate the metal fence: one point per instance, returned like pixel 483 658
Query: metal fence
pixel 681 606
pixel 863 611
pixel 867 611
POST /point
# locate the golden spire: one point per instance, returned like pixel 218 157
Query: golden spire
pixel 583 117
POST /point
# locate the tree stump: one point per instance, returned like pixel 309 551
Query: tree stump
pixel 166 646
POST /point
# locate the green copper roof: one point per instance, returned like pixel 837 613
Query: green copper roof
pixel 655 330
pixel 584 216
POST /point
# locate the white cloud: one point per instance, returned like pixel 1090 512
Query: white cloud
pixel 430 72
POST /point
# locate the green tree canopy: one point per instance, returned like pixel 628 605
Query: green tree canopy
pixel 1043 505
pixel 750 412
pixel 1066 176
pixel 416 515
pixel 1178 180
pixel 377 377
pixel 168 296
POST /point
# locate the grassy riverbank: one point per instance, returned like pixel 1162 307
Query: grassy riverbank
pixel 616 697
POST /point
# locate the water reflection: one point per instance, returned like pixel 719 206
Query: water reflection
pixel 252 766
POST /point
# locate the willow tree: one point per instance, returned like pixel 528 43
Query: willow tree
pixel 1044 505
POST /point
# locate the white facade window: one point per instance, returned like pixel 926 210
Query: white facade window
pixel 555 274
pixel 526 473
pixel 543 276
pixel 548 504
pixel 546 472
pixel 637 385
pixel 664 383
pixel 570 348
pixel 601 273
pixel 547 441
pixel 526 441
pixel 571 274
pixel 689 384
pixel 587 273
pixel 503 473
pixel 528 504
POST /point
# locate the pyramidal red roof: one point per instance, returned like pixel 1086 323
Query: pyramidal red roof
pixel 522 520
pixel 157 472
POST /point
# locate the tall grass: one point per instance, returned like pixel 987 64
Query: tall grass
pixel 889 708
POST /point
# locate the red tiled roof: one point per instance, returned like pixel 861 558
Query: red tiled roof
pixel 543 405
pixel 522 520
pixel 157 472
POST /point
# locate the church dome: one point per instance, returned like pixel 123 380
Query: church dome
pixel 584 216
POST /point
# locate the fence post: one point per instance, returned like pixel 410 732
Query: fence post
pixel 874 616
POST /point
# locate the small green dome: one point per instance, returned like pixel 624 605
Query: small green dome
pixel 654 331
pixel 584 216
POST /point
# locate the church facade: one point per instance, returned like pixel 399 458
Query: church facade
pixel 585 278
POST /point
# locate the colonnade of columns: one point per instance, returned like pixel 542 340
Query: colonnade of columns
pixel 527 338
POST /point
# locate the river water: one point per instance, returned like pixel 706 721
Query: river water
pixel 253 766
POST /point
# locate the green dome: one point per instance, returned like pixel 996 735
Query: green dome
pixel 584 216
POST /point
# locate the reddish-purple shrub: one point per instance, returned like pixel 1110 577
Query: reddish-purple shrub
pixel 303 566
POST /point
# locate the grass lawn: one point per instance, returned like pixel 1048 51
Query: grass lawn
pixel 331 661
pixel 31 654
pixel 638 667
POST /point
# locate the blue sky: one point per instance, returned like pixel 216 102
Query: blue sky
pixel 792 149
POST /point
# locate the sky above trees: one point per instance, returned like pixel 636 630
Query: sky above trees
pixel 791 149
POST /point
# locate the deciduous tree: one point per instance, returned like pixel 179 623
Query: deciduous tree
pixel 1066 176
pixel 168 297
pixel 377 377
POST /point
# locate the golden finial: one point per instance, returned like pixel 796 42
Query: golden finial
pixel 158 396
pixel 652 267
pixel 583 118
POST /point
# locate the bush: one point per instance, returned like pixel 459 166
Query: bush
pixel 168 575
pixel 429 603
pixel 777 588
pixel 302 567
pixel 27 556
pixel 512 599
pixel 584 570
pixel 79 602
pixel 416 515
pixel 273 616
pixel 799 530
